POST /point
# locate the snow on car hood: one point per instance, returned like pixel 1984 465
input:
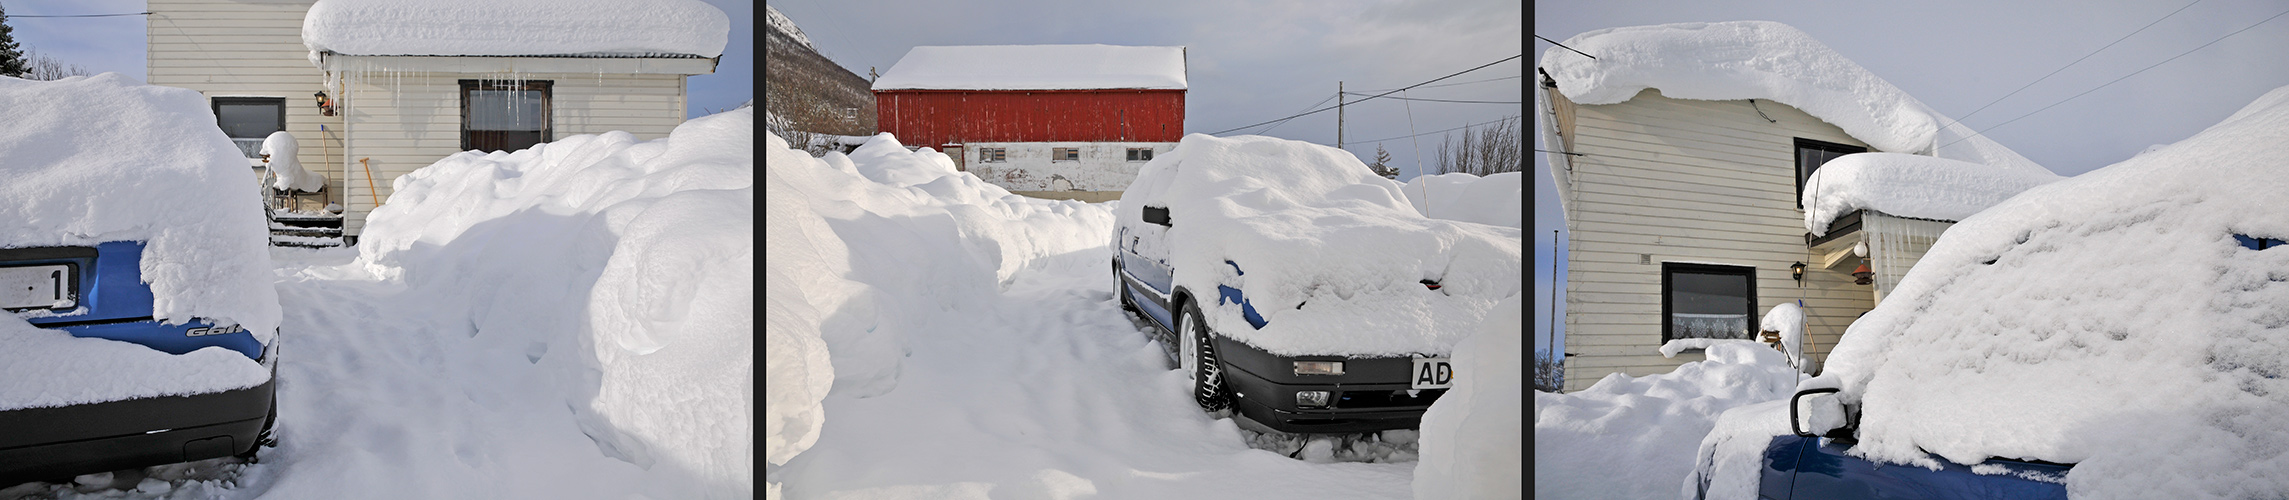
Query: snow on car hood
pixel 2110 319
pixel 1332 254
pixel 86 160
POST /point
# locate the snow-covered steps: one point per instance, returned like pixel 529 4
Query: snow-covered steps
pixel 303 230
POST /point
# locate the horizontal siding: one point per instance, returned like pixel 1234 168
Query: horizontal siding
pixel 1687 181
pixel 399 122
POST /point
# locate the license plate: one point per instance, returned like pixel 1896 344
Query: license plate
pixel 1433 373
pixel 35 286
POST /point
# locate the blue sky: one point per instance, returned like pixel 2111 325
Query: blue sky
pixel 117 44
pixel 1959 55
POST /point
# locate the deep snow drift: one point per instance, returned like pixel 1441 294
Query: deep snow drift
pixel 158 161
pixel 539 27
pixel 1474 437
pixel 1497 199
pixel 1329 254
pixel 1634 437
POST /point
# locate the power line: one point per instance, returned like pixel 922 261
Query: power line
pixel 1504 119
pixel 1458 73
pixel 85 14
pixel 1268 130
pixel 1561 45
pixel 1445 100
pixel 2135 73
pixel 1454 84
pixel 2055 72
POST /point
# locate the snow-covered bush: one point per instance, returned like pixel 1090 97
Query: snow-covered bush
pixel 1473 438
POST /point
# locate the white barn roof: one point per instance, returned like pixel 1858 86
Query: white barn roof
pixel 1036 67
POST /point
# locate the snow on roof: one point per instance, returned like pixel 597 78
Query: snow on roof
pixel 1773 61
pixel 1908 185
pixel 2110 319
pixel 515 27
pixel 87 160
pixel 1329 253
pixel 1036 67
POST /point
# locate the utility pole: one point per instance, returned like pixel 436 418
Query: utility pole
pixel 1338 114
pixel 1557 355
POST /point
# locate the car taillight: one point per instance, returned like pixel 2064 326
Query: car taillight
pixel 1430 284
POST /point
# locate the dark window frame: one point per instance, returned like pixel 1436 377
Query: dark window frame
pixel 215 104
pixel 1798 160
pixel 547 108
pixel 1670 268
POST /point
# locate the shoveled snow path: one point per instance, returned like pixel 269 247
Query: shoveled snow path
pixel 1049 391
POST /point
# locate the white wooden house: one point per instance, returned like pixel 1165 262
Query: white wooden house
pixel 1684 214
pixel 391 104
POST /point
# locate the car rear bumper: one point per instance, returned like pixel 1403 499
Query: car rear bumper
pixel 40 444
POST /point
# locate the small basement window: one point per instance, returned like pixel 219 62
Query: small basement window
pixel 1064 154
pixel 1811 154
pixel 1707 301
pixel 249 120
pixel 1140 154
pixel 992 155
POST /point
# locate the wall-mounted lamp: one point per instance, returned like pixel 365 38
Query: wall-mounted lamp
pixel 1797 270
pixel 1863 275
pixel 325 105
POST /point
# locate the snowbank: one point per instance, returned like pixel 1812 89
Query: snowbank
pixel 1906 185
pixel 869 248
pixel 1671 348
pixel 641 305
pixel 1633 438
pixel 49 368
pixel 1328 253
pixel 286 167
pixel 515 27
pixel 1497 199
pixel 1036 67
pixel 1765 60
pixel 2110 320
pixel 1472 438
pixel 106 158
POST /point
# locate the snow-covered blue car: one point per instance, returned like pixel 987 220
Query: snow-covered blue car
pixel 138 313
pixel 1297 289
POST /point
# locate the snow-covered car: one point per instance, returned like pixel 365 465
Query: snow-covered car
pixel 2118 334
pixel 140 318
pixel 1298 288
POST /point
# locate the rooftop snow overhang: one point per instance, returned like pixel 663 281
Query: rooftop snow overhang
pixel 642 64
pixel 1848 226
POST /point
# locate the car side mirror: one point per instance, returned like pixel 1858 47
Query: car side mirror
pixel 1156 215
pixel 1816 416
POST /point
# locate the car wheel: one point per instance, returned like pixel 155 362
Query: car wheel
pixel 1198 360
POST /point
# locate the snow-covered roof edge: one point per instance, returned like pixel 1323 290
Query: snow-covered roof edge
pixel 1037 67
pixel 1765 60
pixel 1906 185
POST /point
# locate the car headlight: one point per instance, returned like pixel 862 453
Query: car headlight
pixel 1311 398
pixel 1319 368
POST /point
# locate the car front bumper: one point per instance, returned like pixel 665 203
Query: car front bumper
pixel 1371 395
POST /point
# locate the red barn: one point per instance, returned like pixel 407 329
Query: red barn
pixel 1055 121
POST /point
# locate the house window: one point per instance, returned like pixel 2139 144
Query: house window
pixel 504 115
pixel 1064 154
pixel 249 120
pixel 1706 301
pixel 1140 154
pixel 992 155
pixel 1811 154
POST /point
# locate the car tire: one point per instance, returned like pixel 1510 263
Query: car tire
pixel 1207 375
